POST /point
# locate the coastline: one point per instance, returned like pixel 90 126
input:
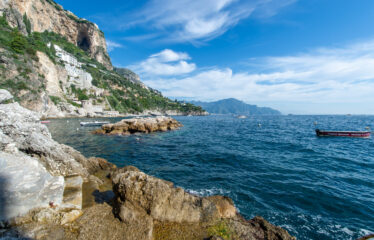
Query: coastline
pixel 146 114
pixel 132 202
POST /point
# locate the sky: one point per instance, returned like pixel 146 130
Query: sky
pixel 297 56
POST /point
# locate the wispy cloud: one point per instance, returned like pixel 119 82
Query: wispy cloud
pixel 191 21
pixel 144 37
pixel 111 45
pixel 165 63
pixel 323 76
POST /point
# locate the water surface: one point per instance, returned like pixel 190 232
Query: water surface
pixel 316 188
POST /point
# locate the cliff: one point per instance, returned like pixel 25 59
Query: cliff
pixel 46 15
pixel 50 191
pixel 56 64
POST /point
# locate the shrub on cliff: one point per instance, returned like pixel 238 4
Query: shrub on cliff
pixel 18 43
pixel 27 23
pixel 3 21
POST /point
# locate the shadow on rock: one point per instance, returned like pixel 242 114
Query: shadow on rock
pixel 103 197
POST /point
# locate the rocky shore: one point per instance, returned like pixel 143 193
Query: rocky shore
pixel 139 125
pixel 51 191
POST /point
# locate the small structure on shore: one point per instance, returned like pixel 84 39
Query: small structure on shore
pixel 139 125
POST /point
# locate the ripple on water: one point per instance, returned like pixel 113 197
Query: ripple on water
pixel 317 188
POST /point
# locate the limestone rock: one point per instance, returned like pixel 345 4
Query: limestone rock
pixel 257 228
pixel 97 164
pixel 20 129
pixel 140 198
pixel 160 200
pixel 73 193
pixel 141 125
pixel 98 222
pixel 23 127
pixel 49 16
pixel 5 95
pixel 25 184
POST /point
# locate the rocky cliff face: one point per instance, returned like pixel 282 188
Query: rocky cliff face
pixel 46 15
pixel 61 72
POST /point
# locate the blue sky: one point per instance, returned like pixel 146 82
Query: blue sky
pixel 298 56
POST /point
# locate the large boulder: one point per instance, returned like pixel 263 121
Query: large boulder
pixel 25 133
pixel 156 208
pixel 25 184
pixel 141 125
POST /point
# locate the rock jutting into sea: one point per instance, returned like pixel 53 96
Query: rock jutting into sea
pixel 139 125
pixel 153 208
pixel 51 191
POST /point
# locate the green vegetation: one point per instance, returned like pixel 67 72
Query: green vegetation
pixel 18 43
pixel 56 100
pixel 79 20
pixel 81 94
pixel 74 103
pixel 125 96
pixel 53 3
pixel 15 85
pixel 221 229
pixel 3 21
pixel 27 23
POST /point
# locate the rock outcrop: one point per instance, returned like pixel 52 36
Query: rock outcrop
pixel 139 125
pixel 21 131
pixel 144 203
pixel 36 172
pixel 46 15
pixel 25 184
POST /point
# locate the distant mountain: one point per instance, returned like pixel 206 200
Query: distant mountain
pixel 234 106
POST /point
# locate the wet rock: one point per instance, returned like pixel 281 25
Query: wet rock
pixel 139 125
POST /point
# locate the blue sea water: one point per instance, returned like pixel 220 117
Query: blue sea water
pixel 316 188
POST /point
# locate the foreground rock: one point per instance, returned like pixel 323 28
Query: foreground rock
pixel 154 209
pixel 21 131
pixel 139 125
pixel 25 184
pixel 36 172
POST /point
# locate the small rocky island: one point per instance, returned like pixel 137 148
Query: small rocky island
pixel 139 125
pixel 51 191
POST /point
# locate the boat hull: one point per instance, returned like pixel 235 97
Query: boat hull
pixel 352 134
pixel 92 124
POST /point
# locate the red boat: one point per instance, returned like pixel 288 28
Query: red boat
pixel 355 134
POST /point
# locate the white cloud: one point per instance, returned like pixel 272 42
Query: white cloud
pixel 186 20
pixel 112 45
pixel 321 78
pixel 164 63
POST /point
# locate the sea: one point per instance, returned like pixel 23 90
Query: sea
pixel 271 166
